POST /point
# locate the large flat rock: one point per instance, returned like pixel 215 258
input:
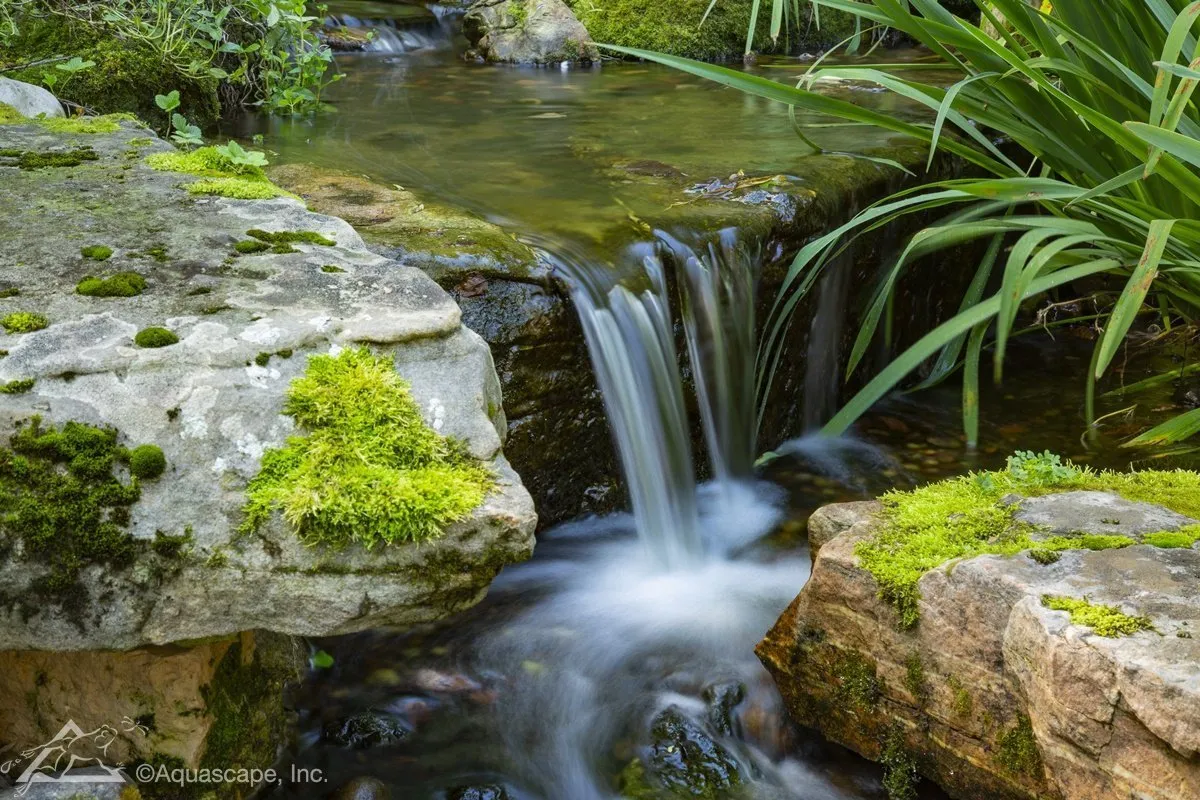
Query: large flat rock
pixel 213 401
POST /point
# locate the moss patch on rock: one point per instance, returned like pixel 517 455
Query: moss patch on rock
pixel 221 175
pixel 20 386
pixel 1017 750
pixel 673 26
pixel 34 159
pixel 858 684
pixel 964 517
pixel 147 461
pixel 23 322
pixel 155 337
pixel 1106 621
pixel 369 471
pixel 60 498
pixel 97 252
pixel 122 284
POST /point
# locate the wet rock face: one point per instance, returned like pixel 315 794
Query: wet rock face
pixel 993 694
pixel 527 32
pixel 213 401
pixel 686 760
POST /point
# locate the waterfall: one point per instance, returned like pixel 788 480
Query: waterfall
pixel 389 37
pixel 632 343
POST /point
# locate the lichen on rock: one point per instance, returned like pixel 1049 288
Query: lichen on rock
pixel 369 471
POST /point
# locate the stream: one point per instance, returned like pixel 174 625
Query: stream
pixel 628 639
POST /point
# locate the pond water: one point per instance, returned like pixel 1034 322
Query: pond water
pixel 629 636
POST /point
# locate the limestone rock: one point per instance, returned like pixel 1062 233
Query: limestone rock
pixel 28 99
pixel 993 694
pixel 213 401
pixel 527 32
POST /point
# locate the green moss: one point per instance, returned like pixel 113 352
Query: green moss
pixel 23 322
pixel 237 188
pixel 147 461
pixel 900 777
pixel 369 471
pixel 914 678
pixel 155 337
pixel 97 252
pixel 960 703
pixel 32 159
pixel 673 26
pixel 1182 539
pixel 1104 620
pixel 858 685
pixel 330 268
pixel 122 284
pixel 10 116
pixel 248 246
pixel 127 75
pixel 963 517
pixel 17 387
pixel 262 359
pixel 11 291
pixel 290 237
pixel 222 176
pixel 59 497
pixel 171 547
pixel 1017 750
pixel 110 123
pixel 1044 556
pixel 141 141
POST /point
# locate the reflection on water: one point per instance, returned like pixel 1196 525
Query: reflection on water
pixel 559 152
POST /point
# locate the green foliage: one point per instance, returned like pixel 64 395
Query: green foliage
pixel 147 461
pixel 1017 750
pixel 1104 620
pixel 122 284
pixel 671 26
pixel 368 471
pixel 963 517
pixel 321 660
pixel 237 188
pixel 248 246
pixel 23 322
pixel 155 337
pixel 261 52
pixel 97 252
pixel 1101 180
pixel 61 500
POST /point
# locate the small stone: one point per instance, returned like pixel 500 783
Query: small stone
pixel 364 788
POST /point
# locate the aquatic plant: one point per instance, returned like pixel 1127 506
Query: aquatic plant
pixel 368 470
pixel 1107 188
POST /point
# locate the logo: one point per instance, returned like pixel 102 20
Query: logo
pixel 72 756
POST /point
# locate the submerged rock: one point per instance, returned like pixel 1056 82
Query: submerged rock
pixel 28 99
pixel 481 792
pixel 364 730
pixel 994 693
pixel 527 32
pixel 364 789
pixel 686 760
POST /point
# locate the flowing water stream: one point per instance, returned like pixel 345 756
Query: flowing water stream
pixel 627 637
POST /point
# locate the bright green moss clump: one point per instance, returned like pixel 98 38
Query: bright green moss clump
pixel 369 471
pixel 23 322
pixel 291 237
pixel 147 461
pixel 963 517
pixel 9 115
pixel 1018 751
pixel 34 159
pixel 1182 539
pixel 1104 620
pixel 155 337
pixel 222 176
pixel 86 125
pixel 122 284
pixel 97 252
pixel 250 246
pixel 673 26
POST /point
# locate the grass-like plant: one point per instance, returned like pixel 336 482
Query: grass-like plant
pixel 368 470
pixel 1101 182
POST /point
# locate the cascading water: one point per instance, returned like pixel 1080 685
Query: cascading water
pixel 390 36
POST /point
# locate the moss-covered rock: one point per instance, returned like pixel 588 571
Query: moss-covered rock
pixel 127 75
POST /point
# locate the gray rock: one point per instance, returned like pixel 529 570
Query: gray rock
pixel 28 99
pixel 364 789
pixel 214 410
pixel 527 32
pixel 1097 512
